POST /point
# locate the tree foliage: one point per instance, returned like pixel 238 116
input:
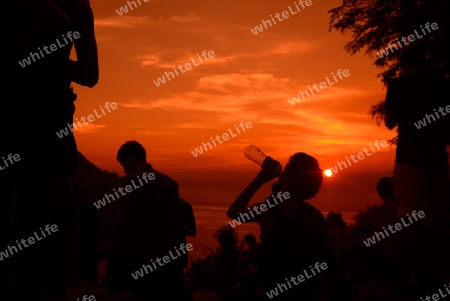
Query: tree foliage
pixel 376 24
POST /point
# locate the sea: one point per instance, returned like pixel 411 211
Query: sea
pixel 210 196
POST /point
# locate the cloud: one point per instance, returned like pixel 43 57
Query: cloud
pixel 184 19
pixel 192 125
pixel 236 91
pixel 157 60
pixel 291 47
pixel 128 22
pixel 155 133
pixel 89 128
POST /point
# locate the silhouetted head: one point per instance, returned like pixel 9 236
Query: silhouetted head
pixel 302 177
pixel 335 220
pixel 132 156
pixel 385 189
pixel 250 239
pixel 276 188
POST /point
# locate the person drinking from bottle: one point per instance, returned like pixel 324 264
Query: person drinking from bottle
pixel 294 234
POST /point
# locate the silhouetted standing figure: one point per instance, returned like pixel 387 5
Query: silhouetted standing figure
pixel 250 263
pixel 89 236
pixel 294 234
pixel 148 225
pixel 251 254
pixel 415 102
pixel 176 289
pixel 387 253
pixel 38 83
pixel 338 233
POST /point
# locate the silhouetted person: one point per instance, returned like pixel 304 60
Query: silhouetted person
pixel 252 253
pixel 148 226
pixel 379 216
pixel 18 34
pixel 338 232
pixel 88 252
pixel 412 103
pixel 250 264
pixel 89 236
pixel 415 102
pixel 385 191
pixel 335 220
pixel 387 251
pixel 176 289
pixel 294 234
pixel 41 104
pixel 206 293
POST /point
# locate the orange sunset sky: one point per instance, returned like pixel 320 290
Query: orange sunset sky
pixel 250 78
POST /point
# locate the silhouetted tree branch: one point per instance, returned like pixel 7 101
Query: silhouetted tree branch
pixel 374 24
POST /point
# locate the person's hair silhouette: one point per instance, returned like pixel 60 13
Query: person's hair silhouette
pixel 385 189
pixel 250 239
pixel 131 155
pixel 334 219
pixel 302 177
pixel 132 149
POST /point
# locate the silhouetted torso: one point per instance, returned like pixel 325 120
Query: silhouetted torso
pixel 45 74
pixel 373 221
pixel 313 221
pixel 411 97
pixel 39 99
pixel 150 223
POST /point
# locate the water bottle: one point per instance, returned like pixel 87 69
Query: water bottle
pixel 255 154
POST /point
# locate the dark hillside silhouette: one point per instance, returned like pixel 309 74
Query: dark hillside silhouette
pixel 96 183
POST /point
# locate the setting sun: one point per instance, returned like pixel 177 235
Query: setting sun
pixel 328 173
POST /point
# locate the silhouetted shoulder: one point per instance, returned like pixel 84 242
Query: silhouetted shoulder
pixel 311 210
pixel 262 214
pixel 165 180
pixel 311 215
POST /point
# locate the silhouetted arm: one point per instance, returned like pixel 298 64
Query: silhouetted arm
pixel 331 274
pixel 48 22
pixel 241 203
pixel 85 70
pixel 124 201
pixel 269 170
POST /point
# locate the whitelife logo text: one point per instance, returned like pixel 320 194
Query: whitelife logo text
pixel 411 38
pixel 166 259
pixel 323 86
pixel 91 118
pixel 110 197
pixel 162 80
pixel 225 137
pixel 284 16
pixel 360 155
pixel 35 56
pixel 371 240
pixel 244 217
pixel 124 9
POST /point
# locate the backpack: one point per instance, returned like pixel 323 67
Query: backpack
pixel 287 246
